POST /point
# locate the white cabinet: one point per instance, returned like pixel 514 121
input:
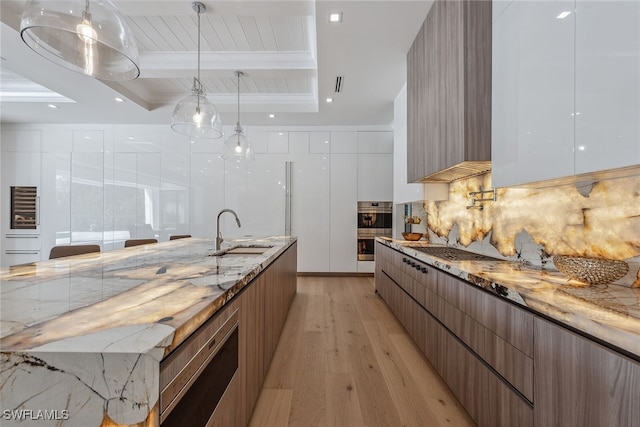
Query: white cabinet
pixel 566 91
pixel 206 193
pixel 56 197
pixel 607 85
pixel 20 169
pixel 375 177
pixel 344 142
pixel 532 92
pixel 402 191
pixel 344 211
pixel 256 192
pixel 319 142
pixel 311 211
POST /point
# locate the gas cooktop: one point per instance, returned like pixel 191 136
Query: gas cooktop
pixel 454 254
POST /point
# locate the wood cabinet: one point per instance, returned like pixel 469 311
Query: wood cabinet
pixel 449 89
pixel 263 308
pixel 581 383
pixel 506 365
pixel 480 345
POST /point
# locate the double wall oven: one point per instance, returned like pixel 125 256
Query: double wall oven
pixel 374 219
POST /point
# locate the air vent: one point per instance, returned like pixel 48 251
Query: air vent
pixel 338 88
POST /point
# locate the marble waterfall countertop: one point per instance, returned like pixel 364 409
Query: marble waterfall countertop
pixel 609 313
pixel 81 338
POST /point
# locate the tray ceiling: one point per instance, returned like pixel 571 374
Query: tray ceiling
pixel 288 50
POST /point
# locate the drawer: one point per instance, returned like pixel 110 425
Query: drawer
pixel 21 241
pixel 511 323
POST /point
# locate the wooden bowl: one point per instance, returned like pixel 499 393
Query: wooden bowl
pixel 412 236
pixel 594 271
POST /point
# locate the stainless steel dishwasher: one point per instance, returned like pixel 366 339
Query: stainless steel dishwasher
pixel 199 380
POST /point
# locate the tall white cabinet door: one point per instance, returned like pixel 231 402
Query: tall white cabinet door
pixel 344 213
pixel 375 177
pixel 87 197
pixel 206 195
pixel 56 196
pixel 532 92
pixel 311 217
pixel 256 192
pixel 607 85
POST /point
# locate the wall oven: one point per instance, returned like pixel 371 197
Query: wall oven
pixel 199 381
pixel 374 219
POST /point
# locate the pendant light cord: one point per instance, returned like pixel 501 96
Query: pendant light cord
pixel 238 74
pixel 199 46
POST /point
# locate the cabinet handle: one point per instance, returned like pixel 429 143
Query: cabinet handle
pixel 418 267
pixel 404 260
pixel 20 252
pixel 424 270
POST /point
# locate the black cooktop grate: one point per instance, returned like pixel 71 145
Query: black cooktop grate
pixel 455 254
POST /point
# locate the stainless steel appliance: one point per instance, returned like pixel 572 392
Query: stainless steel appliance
pixel 199 381
pixel 374 219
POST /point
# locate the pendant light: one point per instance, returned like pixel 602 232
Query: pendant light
pixel 195 116
pixel 86 36
pixel 238 147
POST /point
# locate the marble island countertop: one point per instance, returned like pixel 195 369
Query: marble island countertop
pixel 86 334
pixel 609 313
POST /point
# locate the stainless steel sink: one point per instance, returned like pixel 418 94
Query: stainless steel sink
pixel 455 254
pixel 243 250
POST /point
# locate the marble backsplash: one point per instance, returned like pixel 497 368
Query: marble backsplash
pixel 595 219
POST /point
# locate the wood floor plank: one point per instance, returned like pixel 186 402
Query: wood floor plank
pixel 316 316
pixel 344 328
pixel 332 360
pixel 308 407
pixel 445 409
pixel 372 307
pixel 399 377
pixel 378 409
pixel 272 408
pixel 343 405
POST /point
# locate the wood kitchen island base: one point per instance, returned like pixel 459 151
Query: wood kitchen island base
pixel 343 359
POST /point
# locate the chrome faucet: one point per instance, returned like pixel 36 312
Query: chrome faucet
pixel 219 238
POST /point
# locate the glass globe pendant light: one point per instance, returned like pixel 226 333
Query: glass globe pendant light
pixel 195 116
pixel 86 36
pixel 238 147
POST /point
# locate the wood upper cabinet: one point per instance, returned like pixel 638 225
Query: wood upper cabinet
pixel 449 89
pixel 581 383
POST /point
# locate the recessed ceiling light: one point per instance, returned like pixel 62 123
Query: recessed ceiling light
pixel 52 106
pixel 335 17
pixel 280 133
pixel 563 15
pixel 329 100
pixel 272 116
pixel 119 100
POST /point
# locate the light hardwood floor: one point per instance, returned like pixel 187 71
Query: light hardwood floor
pixel 344 360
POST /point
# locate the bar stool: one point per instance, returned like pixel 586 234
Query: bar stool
pixel 138 242
pixel 71 250
pixel 179 236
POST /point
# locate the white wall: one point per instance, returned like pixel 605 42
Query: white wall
pixel 106 183
pixel 402 191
